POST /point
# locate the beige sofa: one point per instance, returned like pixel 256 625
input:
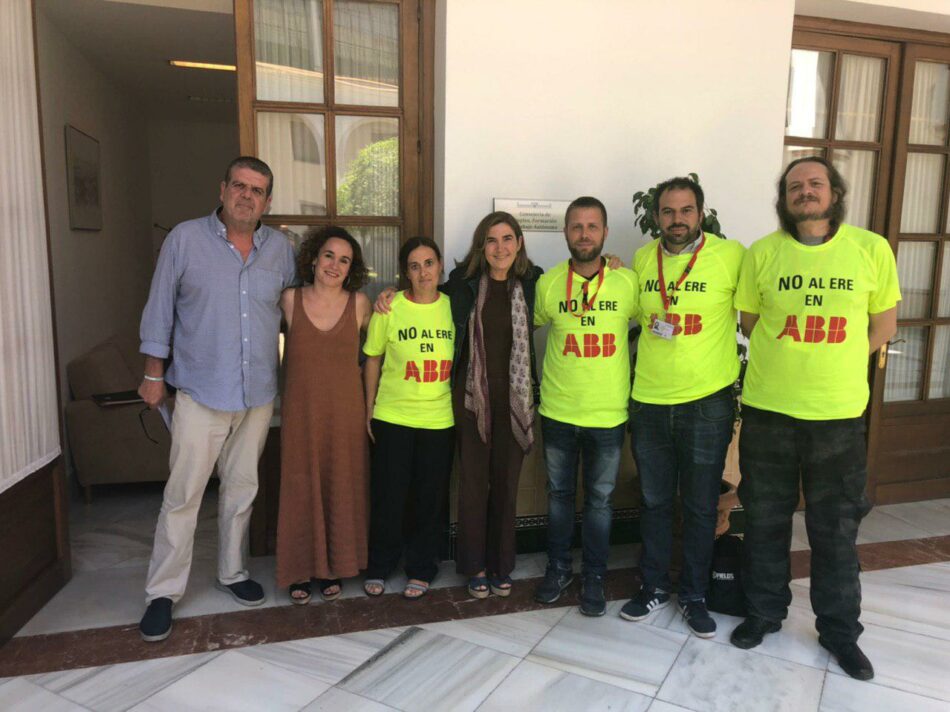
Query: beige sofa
pixel 109 444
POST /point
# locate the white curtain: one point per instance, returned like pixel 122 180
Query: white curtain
pixel 915 269
pixel 928 112
pixel 905 364
pixel 858 168
pixel 366 53
pixel 293 146
pixel 859 100
pixel 289 47
pixel 923 183
pixel 29 430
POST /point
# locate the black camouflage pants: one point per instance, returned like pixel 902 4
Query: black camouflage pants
pixel 829 458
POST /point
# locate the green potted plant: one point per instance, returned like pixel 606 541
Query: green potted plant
pixel 645 219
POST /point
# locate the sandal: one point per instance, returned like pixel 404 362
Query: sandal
pixel 478 587
pixel 300 588
pixel 374 583
pixel 326 584
pixel 419 588
pixel 500 585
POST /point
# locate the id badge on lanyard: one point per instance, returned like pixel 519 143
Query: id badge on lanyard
pixel 661 327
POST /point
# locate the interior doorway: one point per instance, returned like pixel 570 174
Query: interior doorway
pixel 159 138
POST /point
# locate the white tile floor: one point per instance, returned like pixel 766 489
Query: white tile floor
pixel 112 541
pixel 540 660
pixel 891 522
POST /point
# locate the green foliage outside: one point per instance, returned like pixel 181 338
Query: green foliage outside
pixel 370 186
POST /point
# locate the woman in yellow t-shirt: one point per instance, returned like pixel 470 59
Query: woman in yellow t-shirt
pixel 410 422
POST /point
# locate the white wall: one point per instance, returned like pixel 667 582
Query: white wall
pixel 100 278
pixel 545 99
pixel 187 166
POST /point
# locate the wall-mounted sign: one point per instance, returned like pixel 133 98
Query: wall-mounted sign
pixel 535 215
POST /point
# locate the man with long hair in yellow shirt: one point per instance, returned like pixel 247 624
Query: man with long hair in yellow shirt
pixel 817 297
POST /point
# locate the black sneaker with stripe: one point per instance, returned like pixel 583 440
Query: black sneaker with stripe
pixel 697 618
pixel 644 603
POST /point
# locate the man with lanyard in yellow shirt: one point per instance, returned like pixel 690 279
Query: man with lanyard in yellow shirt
pixel 683 407
pixel 584 382
pixel 817 296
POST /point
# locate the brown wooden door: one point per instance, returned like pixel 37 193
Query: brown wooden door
pixel 910 407
pixel 336 96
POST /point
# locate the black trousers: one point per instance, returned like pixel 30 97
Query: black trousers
pixel 409 465
pixel 829 458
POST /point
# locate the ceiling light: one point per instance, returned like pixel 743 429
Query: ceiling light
pixel 202 65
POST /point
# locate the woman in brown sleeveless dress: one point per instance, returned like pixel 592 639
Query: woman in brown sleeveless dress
pixel 322 523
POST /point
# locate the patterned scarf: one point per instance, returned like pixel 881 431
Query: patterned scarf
pixel 519 368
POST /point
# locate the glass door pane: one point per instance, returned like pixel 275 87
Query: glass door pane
pixel 905 364
pixel 940 368
pixel 811 75
pixel 365 53
pixel 943 300
pixel 931 104
pixel 293 146
pixel 915 271
pixel 367 165
pixel 858 169
pixel 923 188
pixel 381 252
pixel 791 153
pixel 380 245
pixel 859 98
pixel 288 44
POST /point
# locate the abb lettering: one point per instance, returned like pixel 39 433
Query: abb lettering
pixel 685 324
pixel 816 330
pixel 432 371
pixel 604 345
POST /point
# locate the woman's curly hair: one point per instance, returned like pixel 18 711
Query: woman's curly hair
pixel 314 242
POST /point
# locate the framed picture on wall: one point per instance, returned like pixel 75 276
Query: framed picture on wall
pixel 83 180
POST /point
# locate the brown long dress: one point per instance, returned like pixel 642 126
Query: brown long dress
pixel 322 526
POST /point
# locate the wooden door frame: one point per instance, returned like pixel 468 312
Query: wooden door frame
pixel 912 45
pixel 811 36
pixel 417 137
pixel 890 52
pixel 41 565
pixel 913 413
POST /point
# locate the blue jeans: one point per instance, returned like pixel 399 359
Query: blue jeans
pixel 682 445
pixel 566 445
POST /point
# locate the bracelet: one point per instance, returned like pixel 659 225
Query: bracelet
pixel 153 378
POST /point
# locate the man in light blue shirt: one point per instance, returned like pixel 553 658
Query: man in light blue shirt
pixel 213 308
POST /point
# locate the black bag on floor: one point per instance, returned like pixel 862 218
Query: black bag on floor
pixel 725 577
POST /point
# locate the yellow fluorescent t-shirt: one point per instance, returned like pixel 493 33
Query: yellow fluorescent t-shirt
pixel 808 354
pixel 586 371
pixel 417 342
pixel 701 358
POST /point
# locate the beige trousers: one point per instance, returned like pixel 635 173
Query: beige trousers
pixel 202 436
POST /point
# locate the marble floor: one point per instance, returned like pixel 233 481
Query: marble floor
pixel 545 659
